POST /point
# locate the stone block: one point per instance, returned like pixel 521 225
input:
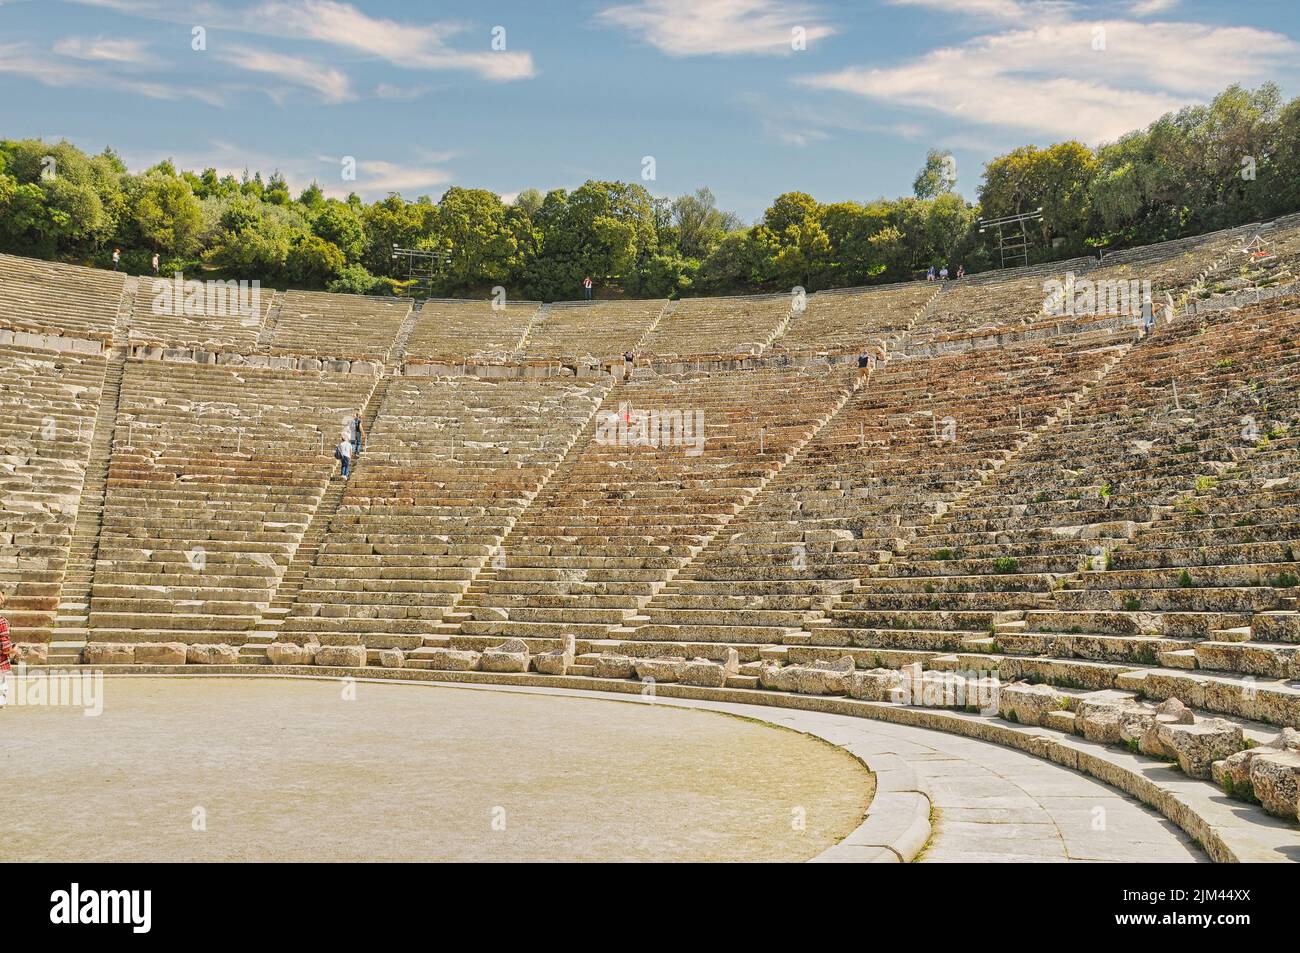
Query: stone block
pixel 510 656
pixel 341 656
pixel 108 653
pixel 161 653
pixel 219 654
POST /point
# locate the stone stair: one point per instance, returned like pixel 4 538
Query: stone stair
pixel 667 309
pixel 264 633
pixel 461 610
pixel 71 623
pixel 267 334
pixel 400 343
pixel 715 541
pixel 539 317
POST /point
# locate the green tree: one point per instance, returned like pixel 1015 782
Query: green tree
pixel 937 177
pixel 313 261
pixel 471 227
pixel 340 225
pixel 1059 180
pixel 166 213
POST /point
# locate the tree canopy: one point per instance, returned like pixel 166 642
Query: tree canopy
pixel 1234 160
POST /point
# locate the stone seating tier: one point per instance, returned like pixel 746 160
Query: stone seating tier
pixel 214 475
pixel 594 333
pixel 50 401
pixel 719 326
pixel 53 299
pixel 449 467
pixel 347 327
pixel 452 332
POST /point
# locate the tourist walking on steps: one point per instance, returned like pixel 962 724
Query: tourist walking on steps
pixel 357 433
pixel 7 654
pixel 586 287
pixel 344 454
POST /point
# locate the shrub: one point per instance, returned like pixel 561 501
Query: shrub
pixel 1004 565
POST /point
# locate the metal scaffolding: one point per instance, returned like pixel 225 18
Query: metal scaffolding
pixel 1013 234
pixel 421 266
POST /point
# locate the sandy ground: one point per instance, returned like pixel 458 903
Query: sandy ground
pixel 291 771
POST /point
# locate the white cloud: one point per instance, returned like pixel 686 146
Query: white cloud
pixel 104 49
pixel 1001 9
pixel 376 178
pixel 1048 77
pixel 332 85
pixel 19 59
pixel 403 44
pixel 401 93
pixel 342 25
pixel 709 27
pixel 1146 8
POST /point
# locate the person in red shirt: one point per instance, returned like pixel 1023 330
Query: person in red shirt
pixel 7 654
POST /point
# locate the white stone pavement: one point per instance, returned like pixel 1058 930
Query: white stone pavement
pixel 991 804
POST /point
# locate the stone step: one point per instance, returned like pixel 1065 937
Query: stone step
pixel 739 634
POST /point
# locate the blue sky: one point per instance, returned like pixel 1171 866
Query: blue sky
pixel 713 90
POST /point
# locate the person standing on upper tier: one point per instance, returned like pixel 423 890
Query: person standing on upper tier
pixel 155 264
pixel 586 287
pixel 117 258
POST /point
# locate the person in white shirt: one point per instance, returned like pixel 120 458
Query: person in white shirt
pixel 344 453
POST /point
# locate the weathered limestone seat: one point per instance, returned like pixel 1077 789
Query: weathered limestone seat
pixel 627 514
pixel 846 321
pixel 214 476
pixel 459 332
pixel 48 403
pixel 719 326
pixel 592 333
pixel 449 467
pixel 158 317
pixel 349 327
pixel 65 301
pixel 914 440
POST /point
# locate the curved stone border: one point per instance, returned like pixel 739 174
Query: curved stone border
pixel 1229 831
pixel 897 826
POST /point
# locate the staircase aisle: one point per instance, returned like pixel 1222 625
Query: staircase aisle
pixel 71 623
